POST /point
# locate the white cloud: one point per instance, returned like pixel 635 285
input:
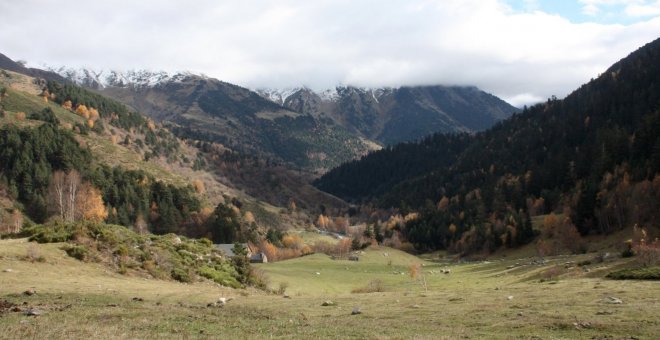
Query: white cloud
pixel 519 56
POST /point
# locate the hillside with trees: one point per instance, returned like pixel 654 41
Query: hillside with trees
pixel 594 156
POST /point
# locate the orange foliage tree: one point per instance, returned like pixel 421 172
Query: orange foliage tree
pixel 90 205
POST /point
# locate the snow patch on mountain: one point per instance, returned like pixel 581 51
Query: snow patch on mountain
pixel 278 96
pixel 100 79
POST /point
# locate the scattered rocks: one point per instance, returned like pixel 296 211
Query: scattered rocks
pixel 604 312
pixel 510 297
pixel 34 312
pixel 356 311
pixel 613 300
pixel 30 292
pixel 327 303
pixel 582 325
pixel 6 306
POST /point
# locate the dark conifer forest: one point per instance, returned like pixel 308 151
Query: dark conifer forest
pixel 595 156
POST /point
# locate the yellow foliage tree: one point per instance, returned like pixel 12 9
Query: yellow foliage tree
pixel 249 217
pixel 67 105
pixel 20 116
pixel 83 111
pixel 199 186
pixel 90 204
pixel 293 242
pixel 93 114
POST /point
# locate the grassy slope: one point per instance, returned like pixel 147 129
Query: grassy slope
pixel 23 97
pixel 471 301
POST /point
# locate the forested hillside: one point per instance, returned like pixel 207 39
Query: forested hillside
pixel 594 156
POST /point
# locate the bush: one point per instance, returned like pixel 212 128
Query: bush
pixel 282 288
pixel 221 277
pixel 181 275
pixel 77 252
pixel 374 286
pixel 646 273
pixel 50 233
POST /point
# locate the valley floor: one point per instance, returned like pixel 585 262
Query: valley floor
pixel 498 299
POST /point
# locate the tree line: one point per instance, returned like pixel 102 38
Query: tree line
pixel 594 156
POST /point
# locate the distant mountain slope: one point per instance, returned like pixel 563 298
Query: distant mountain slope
pixel 595 155
pixel 392 115
pixel 8 64
pixel 212 110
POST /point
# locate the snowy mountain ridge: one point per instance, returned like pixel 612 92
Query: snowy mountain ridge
pixel 99 79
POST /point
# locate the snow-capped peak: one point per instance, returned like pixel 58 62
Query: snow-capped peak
pixel 112 78
pixel 278 96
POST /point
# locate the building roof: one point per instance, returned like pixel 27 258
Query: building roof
pixel 227 248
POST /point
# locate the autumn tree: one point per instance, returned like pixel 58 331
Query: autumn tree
pixel 248 217
pixel 140 225
pixel 199 186
pixel 90 205
pixel 83 111
pixel 72 200
pixel 67 105
pixel 293 242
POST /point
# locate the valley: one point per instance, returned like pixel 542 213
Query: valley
pixel 159 204
pixel 500 298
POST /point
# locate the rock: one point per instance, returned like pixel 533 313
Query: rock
pixel 356 311
pixel 520 313
pixel 34 312
pixel 317 273
pixel 510 297
pixel 222 300
pixel 613 300
pixel 30 292
pixel 138 299
pixel 286 296
pixel 8 270
pixel 113 305
pixel 604 312
pixel 327 303
pixel 415 306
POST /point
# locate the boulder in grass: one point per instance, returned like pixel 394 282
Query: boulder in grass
pixel 613 300
pixel 327 303
pixel 356 311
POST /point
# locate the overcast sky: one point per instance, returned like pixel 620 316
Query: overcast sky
pixel 521 50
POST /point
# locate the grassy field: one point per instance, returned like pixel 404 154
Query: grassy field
pixel 508 298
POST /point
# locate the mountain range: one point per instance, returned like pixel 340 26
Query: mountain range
pixel 310 129
pixel 394 115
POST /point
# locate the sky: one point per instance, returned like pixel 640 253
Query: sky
pixel 523 51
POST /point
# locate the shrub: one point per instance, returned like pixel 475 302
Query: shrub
pixel 374 286
pixel 33 254
pixel 181 275
pixel 221 277
pixel 77 252
pixel 646 273
pixel 282 288
pixel 258 278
